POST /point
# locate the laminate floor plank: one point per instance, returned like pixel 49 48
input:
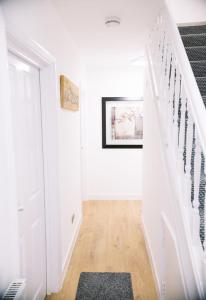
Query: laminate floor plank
pixel 110 240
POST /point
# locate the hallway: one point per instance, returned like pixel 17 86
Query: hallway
pixel 110 240
pixel 103 148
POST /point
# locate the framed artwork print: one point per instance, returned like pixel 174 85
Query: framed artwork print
pixel 122 122
pixel 69 94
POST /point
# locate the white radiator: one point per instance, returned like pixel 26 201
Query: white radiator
pixel 15 291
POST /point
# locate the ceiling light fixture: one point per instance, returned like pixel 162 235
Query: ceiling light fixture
pixel 112 21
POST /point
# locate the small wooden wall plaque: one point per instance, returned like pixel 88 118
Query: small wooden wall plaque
pixel 69 94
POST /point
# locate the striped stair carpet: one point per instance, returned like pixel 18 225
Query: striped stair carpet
pixel 194 40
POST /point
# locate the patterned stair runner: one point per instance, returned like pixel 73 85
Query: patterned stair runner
pixel 194 40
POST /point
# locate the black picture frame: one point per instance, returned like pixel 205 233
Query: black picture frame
pixel 105 143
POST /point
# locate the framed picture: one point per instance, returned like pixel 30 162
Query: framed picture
pixel 122 122
pixel 69 94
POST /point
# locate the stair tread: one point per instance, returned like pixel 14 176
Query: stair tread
pixel 194 40
pixel 192 29
pixel 194 35
pixel 201 79
pixel 201 82
pixel 196 53
pixel 204 100
pixel 196 47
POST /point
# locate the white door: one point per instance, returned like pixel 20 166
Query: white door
pixel 27 132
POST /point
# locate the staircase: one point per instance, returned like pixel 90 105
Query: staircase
pixel 194 40
pixel 177 79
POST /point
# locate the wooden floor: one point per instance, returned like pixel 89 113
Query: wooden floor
pixel 110 240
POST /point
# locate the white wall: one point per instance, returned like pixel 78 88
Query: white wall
pixel 187 11
pixel 37 20
pixel 156 190
pixel 110 173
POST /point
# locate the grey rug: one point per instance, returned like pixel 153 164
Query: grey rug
pixel 104 286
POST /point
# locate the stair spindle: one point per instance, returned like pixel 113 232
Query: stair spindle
pixel 195 214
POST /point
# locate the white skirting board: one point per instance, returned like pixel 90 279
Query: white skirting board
pixel 70 249
pixel 114 197
pixel 151 258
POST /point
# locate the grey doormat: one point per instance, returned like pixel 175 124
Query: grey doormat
pixel 104 286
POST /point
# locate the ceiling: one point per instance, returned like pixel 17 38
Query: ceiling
pixel 100 45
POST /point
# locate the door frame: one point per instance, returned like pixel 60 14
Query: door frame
pixel 32 52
